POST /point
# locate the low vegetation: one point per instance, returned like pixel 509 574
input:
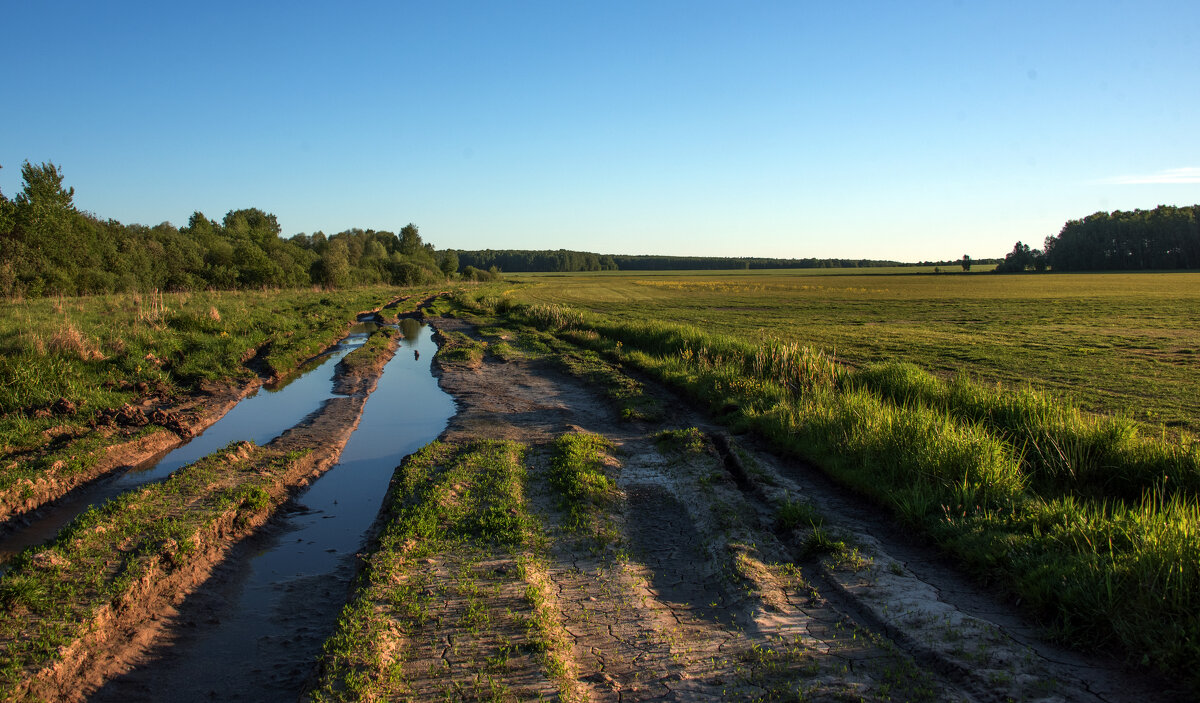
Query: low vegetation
pixel 1090 521
pixel 1117 344
pixel 458 551
pixel 577 473
pixel 59 599
pixel 70 364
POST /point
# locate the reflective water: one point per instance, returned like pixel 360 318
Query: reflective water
pixel 259 418
pixel 258 633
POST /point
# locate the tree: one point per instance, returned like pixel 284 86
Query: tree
pixel 43 209
pixel 966 263
pixel 333 269
pixel 1022 258
pixel 410 240
pixel 448 262
pixel 254 224
pixel 7 214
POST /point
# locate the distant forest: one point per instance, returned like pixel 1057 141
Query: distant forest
pixel 48 247
pixel 1166 237
pixel 562 260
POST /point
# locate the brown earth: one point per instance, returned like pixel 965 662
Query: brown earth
pixel 177 419
pixel 704 595
pixel 186 418
pixel 122 632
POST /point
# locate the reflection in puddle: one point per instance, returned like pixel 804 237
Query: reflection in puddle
pixel 259 418
pixel 286 596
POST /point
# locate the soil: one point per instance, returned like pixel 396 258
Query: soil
pixel 185 418
pixel 703 595
pixel 693 602
pixel 129 633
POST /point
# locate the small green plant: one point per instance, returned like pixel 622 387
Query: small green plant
pixel 793 513
pixel 684 441
pixel 577 472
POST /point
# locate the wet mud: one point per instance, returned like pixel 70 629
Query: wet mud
pixel 688 611
pixel 259 414
pixel 253 630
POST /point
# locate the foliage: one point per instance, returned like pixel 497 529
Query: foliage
pixel 565 261
pixel 1166 237
pixel 48 247
pixel 1022 258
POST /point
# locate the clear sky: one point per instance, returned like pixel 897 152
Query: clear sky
pixel 885 130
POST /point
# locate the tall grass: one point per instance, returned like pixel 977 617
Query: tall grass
pixel 100 352
pixel 1091 524
pixel 1062 448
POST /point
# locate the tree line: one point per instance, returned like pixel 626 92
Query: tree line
pixel 49 247
pixel 565 261
pixel 1166 237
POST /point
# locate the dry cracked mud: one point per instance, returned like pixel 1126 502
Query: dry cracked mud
pixel 700 593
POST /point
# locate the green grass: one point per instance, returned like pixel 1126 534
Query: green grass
pixel 1092 523
pixel 453 506
pixel 53 596
pixel 367 355
pixel 1117 343
pixel 104 351
pixel 458 347
pixel 577 473
pixel 686 441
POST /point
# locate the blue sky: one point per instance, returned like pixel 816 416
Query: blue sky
pixel 909 131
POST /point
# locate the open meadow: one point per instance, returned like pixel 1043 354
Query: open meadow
pixel 1118 343
pixel 1038 428
pixel 632 496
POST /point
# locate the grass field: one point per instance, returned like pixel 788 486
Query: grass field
pixel 1089 518
pixel 1118 343
pixel 1040 428
pixel 66 361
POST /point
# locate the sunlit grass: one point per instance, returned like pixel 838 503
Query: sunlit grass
pixel 1086 518
pixel 1117 343
pixel 91 354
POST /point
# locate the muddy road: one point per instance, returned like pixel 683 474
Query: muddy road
pixel 253 630
pixel 719 571
pixel 704 593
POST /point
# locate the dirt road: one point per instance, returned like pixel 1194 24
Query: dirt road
pixel 708 591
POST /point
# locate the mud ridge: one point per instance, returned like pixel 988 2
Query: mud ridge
pixel 122 631
pixel 193 415
pixel 697 530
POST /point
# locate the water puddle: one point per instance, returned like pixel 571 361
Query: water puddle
pixel 256 635
pixel 260 418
